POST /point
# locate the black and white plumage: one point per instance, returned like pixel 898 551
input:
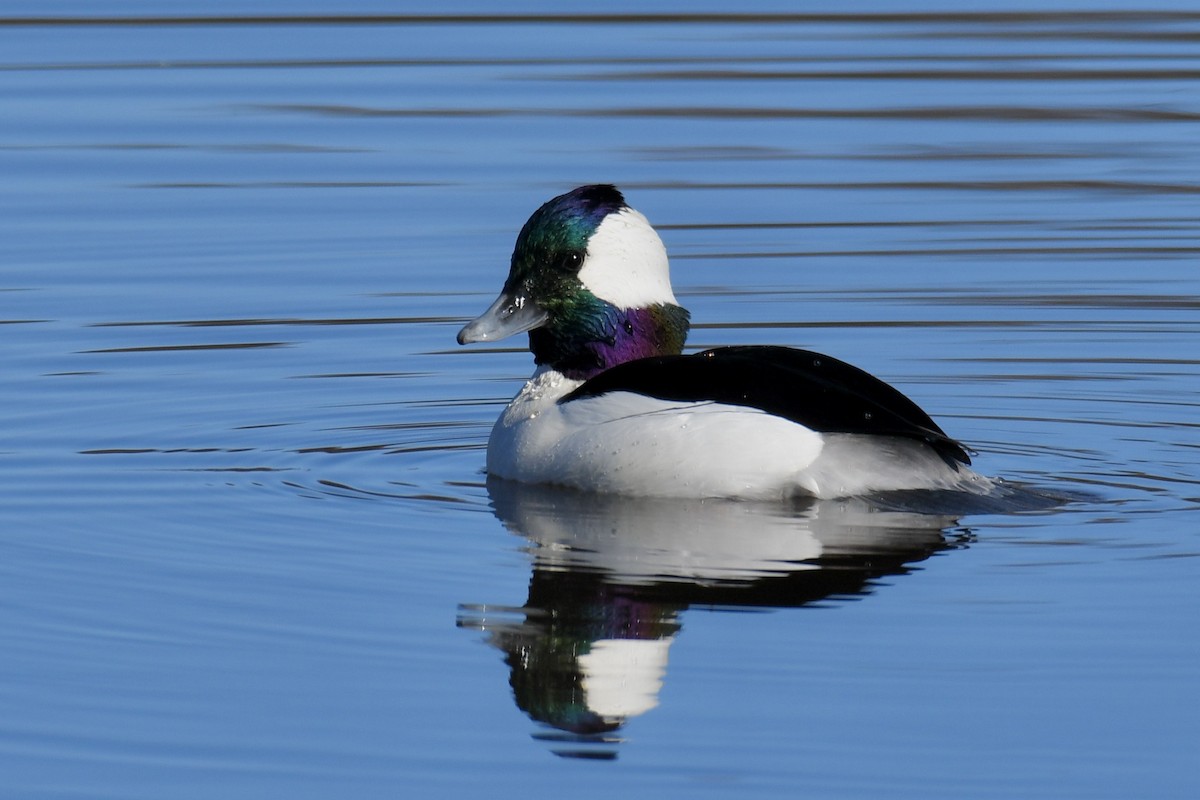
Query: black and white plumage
pixel 614 406
pixel 814 390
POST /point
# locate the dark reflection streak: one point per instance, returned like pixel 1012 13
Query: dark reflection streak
pixel 1019 186
pixel 1021 113
pixel 236 469
pixel 921 294
pixel 924 18
pixel 289 185
pixel 736 154
pixel 880 323
pixel 359 63
pixel 1051 240
pixel 722 226
pixel 345 375
pixel 1077 34
pixel 899 74
pixel 472 402
pixel 1174 302
pixel 1080 360
pixel 953 251
pixel 177 347
pixel 338 449
pixel 977 155
pixel 407 426
pixel 1117 225
pixel 173 451
pixel 237 323
pixel 473 446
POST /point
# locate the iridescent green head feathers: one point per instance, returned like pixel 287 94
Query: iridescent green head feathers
pixel 589 280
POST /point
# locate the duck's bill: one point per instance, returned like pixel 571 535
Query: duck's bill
pixel 511 313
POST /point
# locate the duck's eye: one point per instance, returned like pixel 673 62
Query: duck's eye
pixel 570 260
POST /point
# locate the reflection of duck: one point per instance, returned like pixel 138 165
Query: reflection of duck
pixel 615 407
pixel 588 650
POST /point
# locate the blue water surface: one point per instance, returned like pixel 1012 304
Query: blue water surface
pixel 248 548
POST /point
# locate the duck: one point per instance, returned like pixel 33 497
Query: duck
pixel 615 406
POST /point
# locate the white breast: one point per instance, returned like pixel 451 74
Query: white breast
pixel 627 443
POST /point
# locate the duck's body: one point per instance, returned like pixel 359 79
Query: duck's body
pixel 629 443
pixel 615 407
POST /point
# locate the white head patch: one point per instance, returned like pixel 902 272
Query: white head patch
pixel 627 263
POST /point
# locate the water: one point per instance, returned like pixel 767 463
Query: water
pixel 248 548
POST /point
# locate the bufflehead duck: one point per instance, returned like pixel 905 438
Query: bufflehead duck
pixel 614 406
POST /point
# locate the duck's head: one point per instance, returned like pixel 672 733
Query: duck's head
pixel 590 283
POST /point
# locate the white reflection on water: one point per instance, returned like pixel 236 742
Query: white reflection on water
pixel 611 576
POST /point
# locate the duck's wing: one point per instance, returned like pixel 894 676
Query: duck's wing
pixel 814 390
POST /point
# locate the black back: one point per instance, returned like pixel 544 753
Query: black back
pixel 814 390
